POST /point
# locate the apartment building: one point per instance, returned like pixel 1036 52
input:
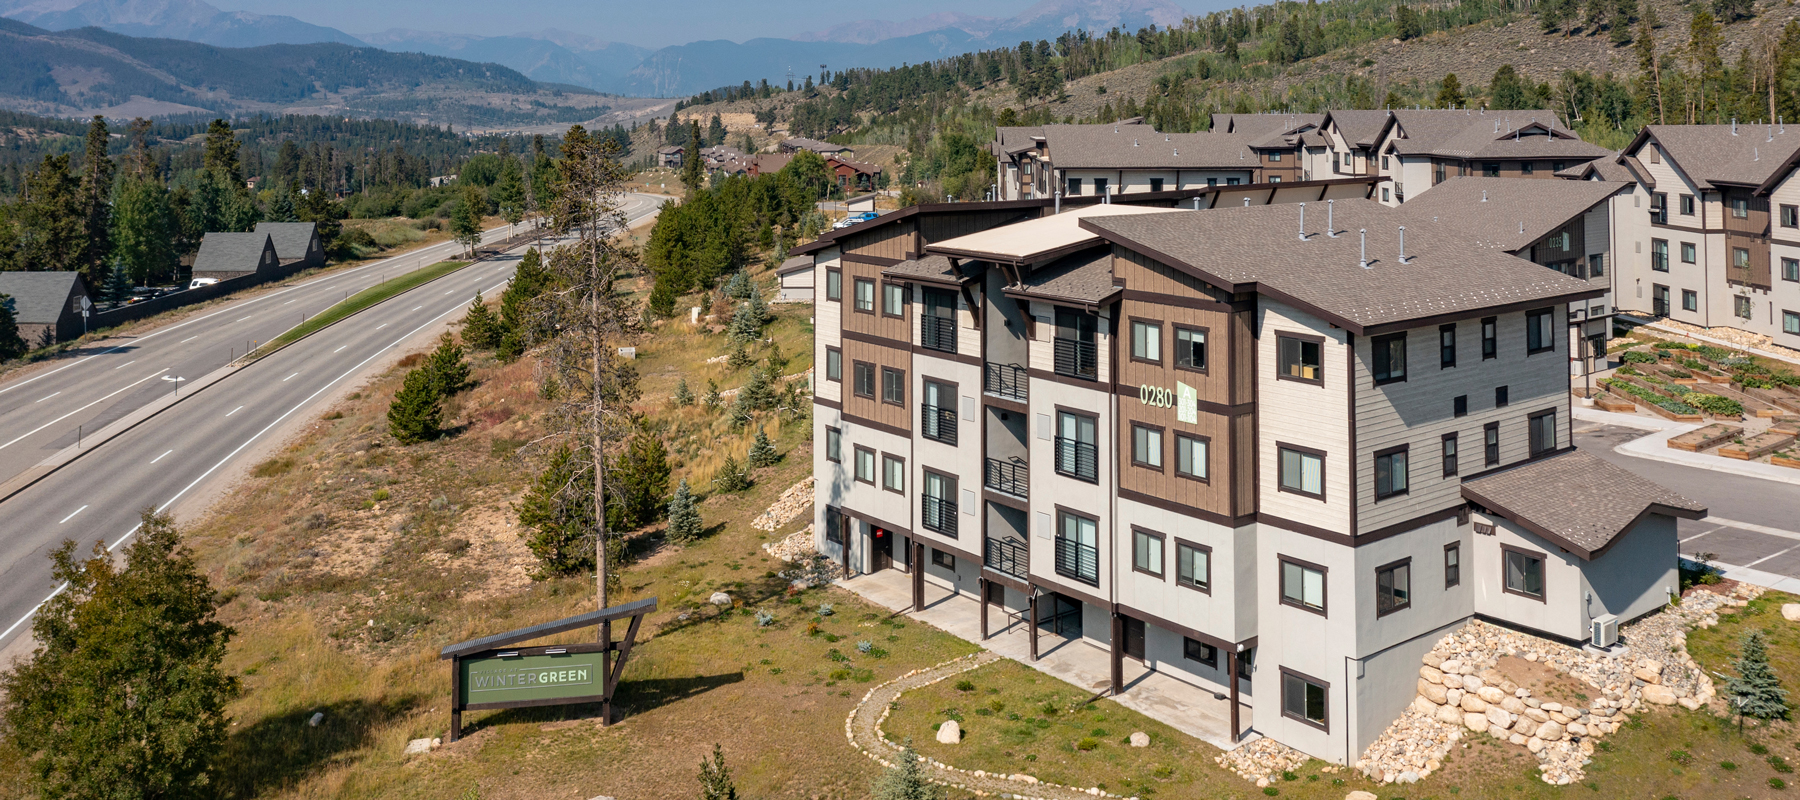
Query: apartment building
pixel 1282 142
pixel 1565 225
pixel 1131 157
pixel 1714 231
pixel 1198 440
pixel 1416 149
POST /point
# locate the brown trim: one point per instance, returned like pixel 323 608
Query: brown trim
pixel 1131 326
pixel 1175 301
pixel 1180 543
pixel 1324 584
pixel 1543 560
pixel 1405 525
pixel 882 524
pixel 829 430
pixel 1131 447
pixel 1555 435
pixel 1052 583
pixel 873 300
pixel 1323 460
pixel 1485 461
pixel 1162 551
pixel 1539 312
pixel 1038 257
pixel 1206 441
pixel 828 403
pixel 1004 499
pixel 1404 562
pixel 1183 508
pixel 926 536
pixel 1176 627
pixel 901 345
pixel 1325 724
pixel 874 261
pixel 872 424
pixel 1081 383
pixel 1206 340
pixel 1004 403
pixel 1282 375
pixel 829 350
pixel 885 458
pixel 1302 528
pixel 1388 451
pixel 996 576
pixel 855 467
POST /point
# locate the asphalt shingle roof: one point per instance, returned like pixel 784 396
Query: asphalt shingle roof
pixel 292 239
pixel 1361 128
pixel 935 269
pixel 1509 213
pixel 231 252
pixel 1711 154
pixel 1493 135
pixel 1084 277
pixel 38 298
pixel 1576 500
pixel 1141 147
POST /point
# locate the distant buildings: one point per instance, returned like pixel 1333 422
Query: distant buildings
pixel 45 303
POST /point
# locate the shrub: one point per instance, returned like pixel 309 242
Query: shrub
pixel 1780 764
pixel 684 517
pixel 1714 404
pixel 1086 743
pixel 762 451
pixel 1639 357
pixel 965 685
pixel 864 646
pixel 683 395
pixel 825 610
pixel 764 619
pixel 559 511
pixel 417 410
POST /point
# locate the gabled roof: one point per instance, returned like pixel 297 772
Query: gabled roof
pixel 1260 125
pixel 1508 214
pixel 1012 141
pixel 822 148
pixel 1492 135
pixel 232 252
pixel 1359 127
pixel 668 150
pixel 1577 501
pixel 1737 155
pixel 293 240
pixel 795 264
pixel 765 163
pixel 859 166
pixel 1141 147
pixel 1084 278
pixel 39 298
pixel 1035 240
pixel 1258 249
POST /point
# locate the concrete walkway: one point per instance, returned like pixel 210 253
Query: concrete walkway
pixel 1655 446
pixel 1200 713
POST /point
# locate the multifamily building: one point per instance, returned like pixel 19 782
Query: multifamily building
pixel 1275 447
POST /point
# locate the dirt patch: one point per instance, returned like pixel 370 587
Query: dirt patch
pixel 1545 683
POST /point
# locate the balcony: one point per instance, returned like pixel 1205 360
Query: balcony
pixel 938 423
pixel 1011 477
pixel 1078 561
pixel 937 333
pixel 1077 359
pixel 1077 459
pixel 1005 380
pixel 1660 307
pixel 938 515
pixel 1007 556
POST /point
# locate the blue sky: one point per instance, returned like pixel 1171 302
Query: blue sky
pixel 649 24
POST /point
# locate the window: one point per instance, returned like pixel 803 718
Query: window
pixel 937 412
pixel 893 300
pixel 1790 322
pixel 834 445
pixel 1543 432
pixel 893 473
pixel 1196 650
pixel 1212 181
pixel 1659 255
pixel 1459 405
pixel 1689 254
pixel 1156 184
pixel 1527 167
pixel 1659 299
pixel 1300 359
pixel 1147 552
pixel 1074 186
pixel 1075 354
pixel 1384 162
pixel 1302 471
pixel 1146 342
pixel 1690 300
pixel 1490 338
pixel 1687 205
pixel 940 558
pixel 865 465
pixel 1740 207
pixel 1659 208
pixel 1232 181
pixel 1077 548
pixel 1597 265
pixel 1490 443
pixel 1501 398
pixel 937 323
pixel 1146 446
pixel 1491 169
pixel 1386 195
pixel 893 386
pixel 1446 346
pixel 1393 587
pixel 834 285
pixel 1790 216
pixel 1077 453
pixel 1740 305
pixel 864 385
pixel 1303 585
pixel 1390 358
pixel 937 503
pixel 1190 456
pixel 1193 566
pixel 1790 269
pixel 1558 166
pixel 1540 330
pixel 865 295
pixel 834 365
pixel 1740 258
pixel 1390 472
pixel 1524 572
pixel 1190 348
pixel 834 526
pixel 1449 442
pixel 1275 178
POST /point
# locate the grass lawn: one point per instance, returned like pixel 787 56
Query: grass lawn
pixel 361 300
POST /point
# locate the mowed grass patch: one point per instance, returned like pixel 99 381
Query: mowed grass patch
pixel 360 301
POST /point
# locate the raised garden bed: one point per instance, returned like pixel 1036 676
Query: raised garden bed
pixel 1757 446
pixel 1752 406
pixel 1606 401
pixel 1779 398
pixel 1786 425
pixel 1789 461
pixel 1705 438
pixel 1656 402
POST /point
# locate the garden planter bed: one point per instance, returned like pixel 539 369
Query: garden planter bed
pixel 1609 402
pixel 1752 406
pixel 1780 399
pixel 1649 398
pixel 1757 446
pixel 1705 438
pixel 1785 461
pixel 1786 425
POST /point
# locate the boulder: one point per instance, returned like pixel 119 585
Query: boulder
pixel 1140 739
pixel 1359 795
pixel 1430 674
pixel 1475 722
pixel 1433 692
pixel 1647 675
pixel 1550 732
pixel 1577 729
pixel 1537 714
pixel 1498 732
pixel 949 732
pixel 1791 612
pixel 719 599
pixel 1534 744
pixel 1433 660
pixel 1513 705
pixel 1560 718
pixel 1449 715
pixel 1499 717
pixel 1453 665
pixel 1473 683
pixel 1424 706
pixel 1526 727
pixel 1453 680
pixel 1551 708
pixel 1407 777
pixel 418 746
pixel 1473 704
pixel 1454 696
pixel 1659 694
pixel 1690 703
pixel 1491 694
pixel 1517 738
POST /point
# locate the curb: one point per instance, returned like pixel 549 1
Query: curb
pixel 1654 447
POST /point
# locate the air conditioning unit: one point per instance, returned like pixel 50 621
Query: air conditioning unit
pixel 1605 631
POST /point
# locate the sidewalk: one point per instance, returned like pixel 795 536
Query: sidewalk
pixel 1655 446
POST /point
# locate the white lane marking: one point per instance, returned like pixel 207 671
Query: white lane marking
pixel 72 514
pixel 382 325
pixel 241 320
pixel 124 365
pixel 159 458
pixel 188 339
pixel 234 411
pixel 46 397
pixel 291 302
pixel 1702 533
pixel 1772 555
pixel 289 378
pixel 447 294
pixel 339 350
pixel 83 408
pixel 415 308
pixel 1751 526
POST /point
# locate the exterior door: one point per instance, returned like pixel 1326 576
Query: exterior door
pixel 1134 638
pixel 882 550
pixel 1061 615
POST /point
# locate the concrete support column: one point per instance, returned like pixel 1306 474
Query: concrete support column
pixel 1031 596
pixel 1231 676
pixel 918 575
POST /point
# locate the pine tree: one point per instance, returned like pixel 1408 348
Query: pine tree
pixel 758 393
pixel 739 357
pixel 906 779
pixel 12 345
pixel 508 192
pixel 639 483
pixel 762 451
pixel 449 371
pixel 684 515
pixel 739 285
pixel 481 328
pixel 96 201
pixel 1450 92
pixel 50 218
pixel 1407 25
pixel 715 778
pixel 1507 91
pixel 711 398
pixel 732 476
pixel 465 221
pixel 281 206
pixel 529 280
pixel 559 511
pixel 692 172
pixel 683 395
pixel 1756 690
pixel 118 284
pixel 417 410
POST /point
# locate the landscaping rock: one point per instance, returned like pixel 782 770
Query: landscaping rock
pixel 1431 675
pixel 317 717
pixel 1660 695
pixel 1360 795
pixel 1473 704
pixel 1449 715
pixel 796 499
pixel 1491 694
pixel 719 599
pixel 1140 739
pixel 1434 692
pixel 1790 612
pixel 949 733
pixel 418 746
pixel 1550 731
pixel 1475 722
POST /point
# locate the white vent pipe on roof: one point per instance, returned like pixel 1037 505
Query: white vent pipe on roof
pixel 1402 244
pixel 1365 249
pixel 1483 195
pixel 1058 195
pixel 1330 229
pixel 1246 202
pixel 1302 222
pixel 1734 126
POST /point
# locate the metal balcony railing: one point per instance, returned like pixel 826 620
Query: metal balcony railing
pixel 1005 380
pixel 1078 561
pixel 1009 476
pixel 1077 359
pixel 1659 215
pixel 1009 556
pixel 1077 459
pixel 938 423
pixel 938 514
pixel 937 333
pixel 1659 261
pixel 1659 307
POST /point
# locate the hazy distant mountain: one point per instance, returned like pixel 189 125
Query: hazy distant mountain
pixel 551 56
pixel 191 20
pixel 870 31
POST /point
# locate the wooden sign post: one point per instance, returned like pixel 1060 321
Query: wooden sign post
pixel 491 673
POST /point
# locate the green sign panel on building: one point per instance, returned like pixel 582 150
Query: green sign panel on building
pixel 525 678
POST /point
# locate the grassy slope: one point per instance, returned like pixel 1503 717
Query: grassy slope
pixel 362 300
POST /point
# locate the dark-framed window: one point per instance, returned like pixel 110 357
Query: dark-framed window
pixel 893 386
pixel 893 300
pixel 1078 547
pixel 1449 448
pixel 1077 446
pixel 1452 564
pixel 1490 169
pixel 834 285
pixel 1522 572
pixel 1687 205
pixel 1156 184
pixel 1146 552
pixel 1659 255
pixel 1490 338
pixel 834 525
pixel 937 502
pixel 1302 584
pixel 1196 650
pixel 1190 348
pixel 1074 187
pixel 1501 396
pixel 1390 472
pixel 937 319
pixel 1790 269
pixel 1459 405
pixel 1740 305
pixel 1390 358
pixel 1659 207
pixel 865 295
pixel 1302 470
pixel 1540 331
pixel 1075 353
pixel 1690 300
pixel 1790 322
pixel 1740 258
pixel 1490 443
pixel 1191 456
pixel 1740 207
pixel 865 465
pixel 1790 216
pixel 940 558
pixel 893 473
pixel 1543 432
pixel 1527 167
pixel 1447 346
pixel 1689 253
pixel 1596 265
pixel 1300 358
pixel 834 365
pixel 1193 566
pixel 1101 185
pixel 1147 446
pixel 864 383
pixel 834 445
pixel 1146 341
pixel 1393 587
pixel 937 412
pixel 1303 698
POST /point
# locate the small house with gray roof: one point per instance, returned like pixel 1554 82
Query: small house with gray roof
pixel 296 244
pixel 232 255
pixel 46 305
pixel 1421 148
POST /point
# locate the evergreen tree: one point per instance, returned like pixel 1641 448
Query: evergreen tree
pixel 417 410
pixel 1450 92
pixel 118 284
pixel 96 202
pixel 1756 690
pixel 482 328
pixel 683 395
pixel 739 357
pixel 715 778
pixel 715 130
pixel 1507 91
pixel 692 171
pixel 12 345
pixel 559 511
pixel 684 516
pixel 465 221
pixel 639 482
pixel 1709 68
pixel 762 451
pixel 1650 83
pixel 1729 11
pixel 906 780
pixel 51 221
pixel 732 476
pixel 448 370
pixel 281 206
pixel 711 398
pixel 125 696
pixel 1407 25
pixel 508 192
pixel 758 393
pixel 739 285
pixel 222 151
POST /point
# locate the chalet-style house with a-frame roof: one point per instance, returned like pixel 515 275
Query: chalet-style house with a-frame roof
pixel 1272 450
pixel 1416 149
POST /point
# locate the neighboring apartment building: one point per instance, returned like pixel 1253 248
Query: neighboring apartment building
pixel 1123 158
pixel 1416 149
pixel 1282 142
pixel 1215 442
pixel 1567 226
pixel 1714 234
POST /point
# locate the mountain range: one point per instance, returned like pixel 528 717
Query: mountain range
pixel 556 56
